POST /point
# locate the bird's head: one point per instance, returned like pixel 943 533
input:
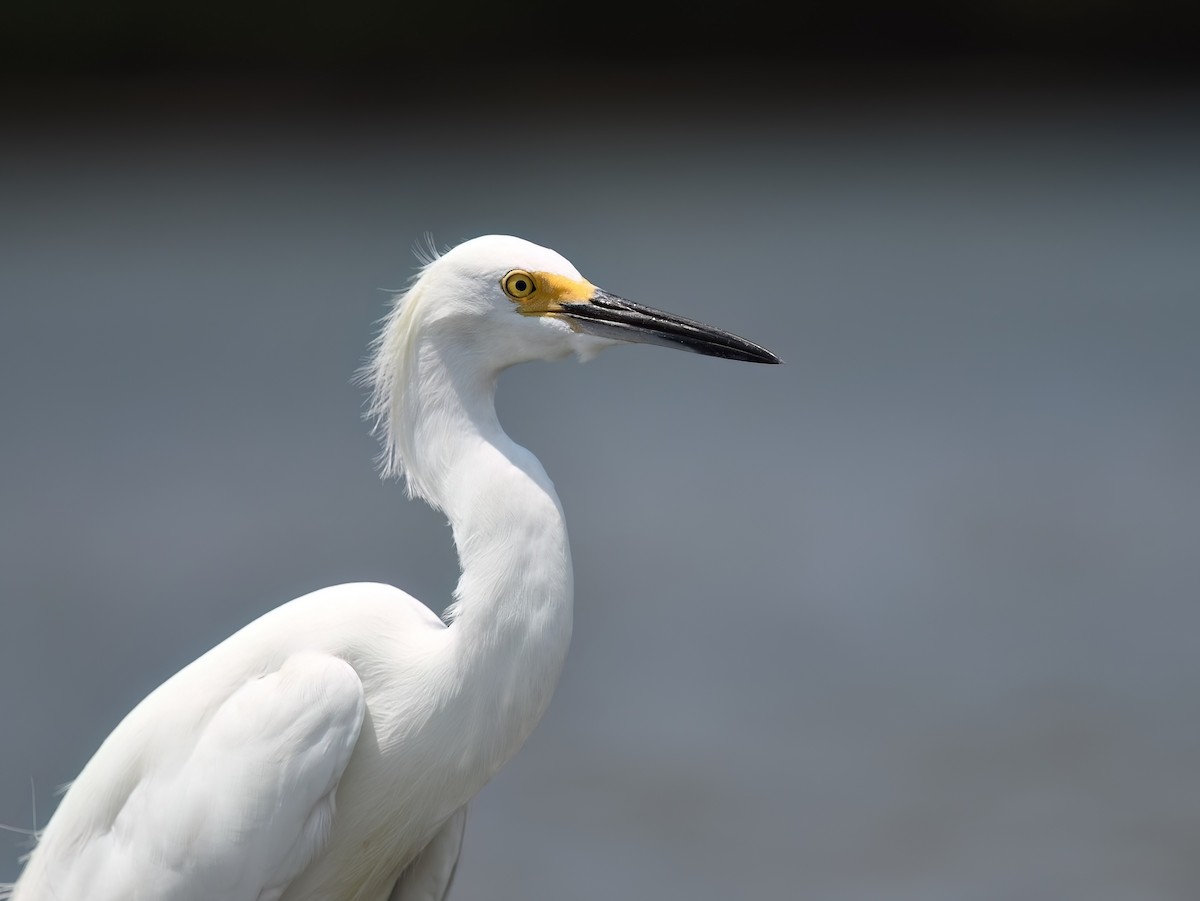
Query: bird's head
pixel 511 301
pixel 495 301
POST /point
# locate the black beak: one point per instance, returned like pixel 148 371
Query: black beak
pixel 608 316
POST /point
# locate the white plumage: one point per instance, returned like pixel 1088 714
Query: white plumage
pixel 327 751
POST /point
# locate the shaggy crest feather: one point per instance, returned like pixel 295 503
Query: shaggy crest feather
pixel 426 250
pixel 390 369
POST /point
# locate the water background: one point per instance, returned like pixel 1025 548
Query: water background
pixel 915 615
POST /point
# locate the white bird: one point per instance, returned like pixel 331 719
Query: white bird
pixel 327 751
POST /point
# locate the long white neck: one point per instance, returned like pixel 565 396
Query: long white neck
pixel 511 619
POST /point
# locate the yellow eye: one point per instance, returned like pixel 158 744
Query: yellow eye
pixel 518 284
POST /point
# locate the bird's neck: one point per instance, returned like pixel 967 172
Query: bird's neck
pixel 510 623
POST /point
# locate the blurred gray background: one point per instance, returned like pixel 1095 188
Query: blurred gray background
pixel 914 616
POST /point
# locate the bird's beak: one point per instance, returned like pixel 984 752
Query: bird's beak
pixel 608 316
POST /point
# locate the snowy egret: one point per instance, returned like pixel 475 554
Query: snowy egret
pixel 327 751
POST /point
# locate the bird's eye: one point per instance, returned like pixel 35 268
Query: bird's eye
pixel 518 284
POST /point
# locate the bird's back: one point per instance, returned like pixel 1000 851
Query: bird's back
pixel 221 783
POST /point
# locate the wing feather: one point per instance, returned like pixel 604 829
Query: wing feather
pixel 237 813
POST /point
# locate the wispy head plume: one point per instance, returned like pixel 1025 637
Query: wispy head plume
pixel 390 369
pixel 425 250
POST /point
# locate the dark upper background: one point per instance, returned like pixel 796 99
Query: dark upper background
pixel 376 36
pixel 911 616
